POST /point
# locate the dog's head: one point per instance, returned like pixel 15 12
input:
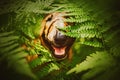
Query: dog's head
pixel 52 38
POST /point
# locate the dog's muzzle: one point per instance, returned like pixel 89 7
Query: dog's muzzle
pixel 60 38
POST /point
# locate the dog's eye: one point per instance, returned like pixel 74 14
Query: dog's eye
pixel 49 18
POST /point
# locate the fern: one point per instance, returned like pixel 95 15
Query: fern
pixel 44 55
pixel 13 58
pixel 24 5
pixel 95 24
pixel 95 64
pixel 96 36
pixel 92 62
pixel 47 70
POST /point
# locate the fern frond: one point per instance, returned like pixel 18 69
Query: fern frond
pixel 13 58
pixel 24 5
pixel 39 61
pixel 94 64
pixel 51 67
pixel 90 33
pixel 93 43
pixel 78 19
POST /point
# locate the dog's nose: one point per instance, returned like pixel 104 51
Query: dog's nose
pixel 60 38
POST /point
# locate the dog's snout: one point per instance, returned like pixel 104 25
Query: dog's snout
pixel 61 35
pixel 60 38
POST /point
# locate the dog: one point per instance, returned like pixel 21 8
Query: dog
pixel 55 40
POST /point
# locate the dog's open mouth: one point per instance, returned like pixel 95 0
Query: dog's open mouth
pixel 59 52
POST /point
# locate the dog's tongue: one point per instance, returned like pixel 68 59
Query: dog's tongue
pixel 59 51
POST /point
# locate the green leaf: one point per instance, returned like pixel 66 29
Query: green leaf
pixel 98 62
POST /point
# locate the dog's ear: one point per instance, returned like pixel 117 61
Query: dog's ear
pixel 42 31
pixel 43 23
pixel 42 27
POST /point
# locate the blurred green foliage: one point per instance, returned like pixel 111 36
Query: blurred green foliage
pixel 95 27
